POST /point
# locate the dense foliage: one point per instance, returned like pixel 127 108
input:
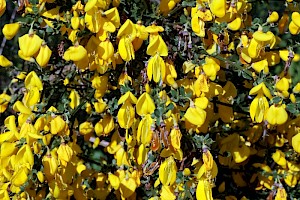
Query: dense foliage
pixel 138 99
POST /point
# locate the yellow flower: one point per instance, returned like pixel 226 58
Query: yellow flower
pixel 20 107
pixel 260 36
pixel 141 35
pixel 207 160
pixel 31 97
pixel 201 85
pixel 273 58
pixel 114 181
pixel 208 170
pixel 175 137
pixel 44 55
pixel 75 53
pixel 30 44
pixel 153 29
pixel 145 105
pixel 195 114
pixel 156 68
pixel 126 115
pixel 2 7
pixel 167 171
pixel 57 125
pixel 144 133
pixel 127 187
pixel 20 176
pixel 127 29
pixel 40 176
pixel 75 99
pixel 64 153
pixel 188 66
pixel 203 191
pixel 284 54
pixel 279 158
pixel 29 132
pixel 211 70
pixel 112 15
pixel 261 89
pixel 8 149
pixel 100 106
pixel 260 104
pixel 51 14
pixel 142 154
pixel 273 17
pixel 100 83
pixel 276 115
pixel 105 50
pixel 92 16
pixel 166 6
pixel 157 45
pixel 261 65
pixel 171 74
pixel 198 25
pixel 50 164
pixel 235 24
pixel 218 7
pixel 32 80
pixel 75 20
pixel 114 145
pixel 10 124
pixel 296 142
pixel 296 18
pixel 10 30
pixel 167 193
pixel 240 153
pixel 254 48
pixel 4 100
pixel 127 33
pixel 108 124
pixel 122 157
pixel 258 108
pixel 125 49
pixel 281 194
pixel 127 96
pixel 291 179
pixel 4 62
pixel 124 78
pixel 86 128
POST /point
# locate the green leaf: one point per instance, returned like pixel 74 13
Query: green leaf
pixel 49 29
pixel 256 21
pixel 182 19
pixel 188 4
pixel 35 10
pixel 291 108
pixel 170 106
pixel 275 100
pixel 266 29
pixel 247 74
